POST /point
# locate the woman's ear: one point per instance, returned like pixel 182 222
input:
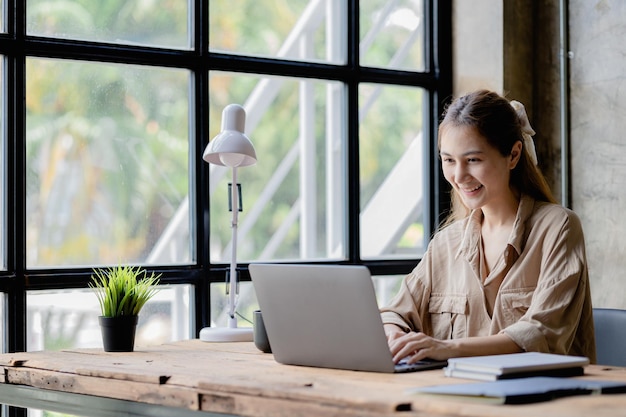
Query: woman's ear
pixel 516 154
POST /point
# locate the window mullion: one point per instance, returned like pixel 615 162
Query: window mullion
pixel 16 202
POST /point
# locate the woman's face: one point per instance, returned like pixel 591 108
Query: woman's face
pixel 477 171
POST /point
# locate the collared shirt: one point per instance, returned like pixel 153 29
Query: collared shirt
pixel 538 293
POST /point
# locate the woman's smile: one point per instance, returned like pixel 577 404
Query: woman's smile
pixel 472 190
pixel 478 171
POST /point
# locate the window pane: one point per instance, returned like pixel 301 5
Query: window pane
pixel 107 164
pixel 164 23
pixel 66 319
pixel 302 30
pixel 246 304
pixel 392 170
pixel 386 287
pixel 294 197
pixel 392 34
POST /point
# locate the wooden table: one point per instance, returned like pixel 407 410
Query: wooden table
pixel 195 378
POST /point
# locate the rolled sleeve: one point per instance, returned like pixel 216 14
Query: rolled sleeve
pixel 551 322
pixel 409 305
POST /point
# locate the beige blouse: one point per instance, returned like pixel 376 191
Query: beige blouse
pixel 538 293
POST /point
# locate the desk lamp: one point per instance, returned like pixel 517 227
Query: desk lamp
pixel 231 148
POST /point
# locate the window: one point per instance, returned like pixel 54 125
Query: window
pixel 108 106
pixel 107 162
pixel 294 197
pixel 159 23
pixel 392 170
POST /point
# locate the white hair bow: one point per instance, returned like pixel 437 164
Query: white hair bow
pixel 527 130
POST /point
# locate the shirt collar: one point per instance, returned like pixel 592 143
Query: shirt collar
pixel 519 234
pixel 471 235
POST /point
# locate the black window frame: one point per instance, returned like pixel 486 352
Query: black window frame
pixel 15 46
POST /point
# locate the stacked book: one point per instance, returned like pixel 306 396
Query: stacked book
pixel 520 378
pixel 516 365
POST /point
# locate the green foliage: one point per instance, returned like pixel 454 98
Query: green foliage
pixel 123 290
pixel 124 129
pixel 110 158
pixel 153 22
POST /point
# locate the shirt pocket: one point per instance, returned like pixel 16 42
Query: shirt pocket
pixel 448 315
pixel 515 303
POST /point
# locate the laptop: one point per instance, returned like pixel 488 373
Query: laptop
pixel 325 316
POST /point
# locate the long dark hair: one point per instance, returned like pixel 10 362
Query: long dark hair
pixel 494 118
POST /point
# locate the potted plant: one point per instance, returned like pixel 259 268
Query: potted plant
pixel 122 291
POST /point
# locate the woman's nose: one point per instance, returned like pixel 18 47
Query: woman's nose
pixel 460 172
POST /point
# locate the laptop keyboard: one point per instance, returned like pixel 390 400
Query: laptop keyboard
pixel 422 365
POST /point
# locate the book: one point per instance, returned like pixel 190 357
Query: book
pixel 516 365
pixel 523 390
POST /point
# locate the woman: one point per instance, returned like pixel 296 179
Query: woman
pixel 507 272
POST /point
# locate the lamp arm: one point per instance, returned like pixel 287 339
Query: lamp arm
pixel 233 278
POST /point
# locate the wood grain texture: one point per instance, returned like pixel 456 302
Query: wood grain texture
pixel 236 378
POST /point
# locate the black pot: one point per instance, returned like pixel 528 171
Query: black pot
pixel 118 333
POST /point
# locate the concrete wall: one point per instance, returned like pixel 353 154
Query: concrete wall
pixel 598 140
pixel 513 47
pixel 477 53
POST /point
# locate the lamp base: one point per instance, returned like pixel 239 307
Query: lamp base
pixel 226 334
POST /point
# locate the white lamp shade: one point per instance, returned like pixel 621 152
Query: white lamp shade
pixel 231 147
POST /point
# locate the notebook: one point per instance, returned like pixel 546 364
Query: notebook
pixel 523 390
pixel 325 316
pixel 516 365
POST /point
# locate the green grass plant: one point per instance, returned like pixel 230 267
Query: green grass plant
pixel 123 290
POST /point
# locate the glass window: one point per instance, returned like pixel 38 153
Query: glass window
pixel 110 103
pixel 107 164
pixel 297 30
pixel 65 319
pixel 386 287
pixel 294 196
pixel 392 34
pixel 392 170
pixel 162 23
pixel 246 304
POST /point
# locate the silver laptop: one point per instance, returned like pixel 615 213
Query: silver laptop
pixel 325 316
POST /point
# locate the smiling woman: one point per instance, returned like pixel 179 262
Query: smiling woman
pixel 502 127
pixel 478 172
pixel 508 273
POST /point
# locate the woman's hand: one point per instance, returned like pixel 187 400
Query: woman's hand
pixel 415 346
